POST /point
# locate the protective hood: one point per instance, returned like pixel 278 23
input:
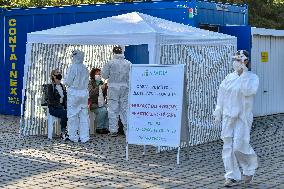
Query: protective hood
pixel 78 57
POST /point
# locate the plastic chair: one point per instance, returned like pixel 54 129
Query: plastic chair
pixel 50 122
pixel 92 118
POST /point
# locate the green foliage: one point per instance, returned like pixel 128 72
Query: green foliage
pixel 41 3
pixel 262 13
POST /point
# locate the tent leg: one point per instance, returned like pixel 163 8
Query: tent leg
pixel 158 149
pixel 187 143
pixel 187 151
pixel 178 153
pixel 144 150
pixel 126 152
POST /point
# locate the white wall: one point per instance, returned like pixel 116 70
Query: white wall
pixel 270 96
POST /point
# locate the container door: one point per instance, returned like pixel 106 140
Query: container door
pixel 137 54
pixel 277 77
pixel 260 67
pixel 267 61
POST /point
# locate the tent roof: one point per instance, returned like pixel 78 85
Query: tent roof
pixel 130 28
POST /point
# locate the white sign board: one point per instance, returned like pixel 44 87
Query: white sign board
pixel 155 105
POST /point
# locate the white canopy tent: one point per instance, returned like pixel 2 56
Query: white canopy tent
pixel 168 43
pixel 128 29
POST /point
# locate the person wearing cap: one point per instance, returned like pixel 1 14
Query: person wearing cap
pixel 234 111
pixel 117 72
pixel 77 79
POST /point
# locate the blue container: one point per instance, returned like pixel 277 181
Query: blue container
pixel 218 14
pixel 2 59
pixel 16 23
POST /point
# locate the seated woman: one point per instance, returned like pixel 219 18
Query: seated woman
pixel 97 98
pixel 57 100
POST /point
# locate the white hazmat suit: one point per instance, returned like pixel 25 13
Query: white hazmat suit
pixel 234 107
pixel 117 72
pixel 77 80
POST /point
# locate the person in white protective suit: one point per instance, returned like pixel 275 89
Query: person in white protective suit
pixel 77 80
pixel 117 72
pixel 234 108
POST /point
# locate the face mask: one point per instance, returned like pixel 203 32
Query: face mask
pixel 59 76
pixel 237 65
pixel 244 67
pixel 98 77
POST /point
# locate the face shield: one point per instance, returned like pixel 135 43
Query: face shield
pixel 240 56
pixel 238 60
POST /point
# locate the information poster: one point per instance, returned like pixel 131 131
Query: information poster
pixel 155 105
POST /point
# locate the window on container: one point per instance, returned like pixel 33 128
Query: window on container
pixel 209 27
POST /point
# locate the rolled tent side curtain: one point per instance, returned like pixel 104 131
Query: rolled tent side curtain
pixel 152 49
pixel 26 65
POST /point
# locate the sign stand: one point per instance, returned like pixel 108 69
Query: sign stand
pixel 126 152
pixel 144 150
pixel 155 107
pixel 178 153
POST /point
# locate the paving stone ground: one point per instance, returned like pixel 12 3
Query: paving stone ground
pixel 36 162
